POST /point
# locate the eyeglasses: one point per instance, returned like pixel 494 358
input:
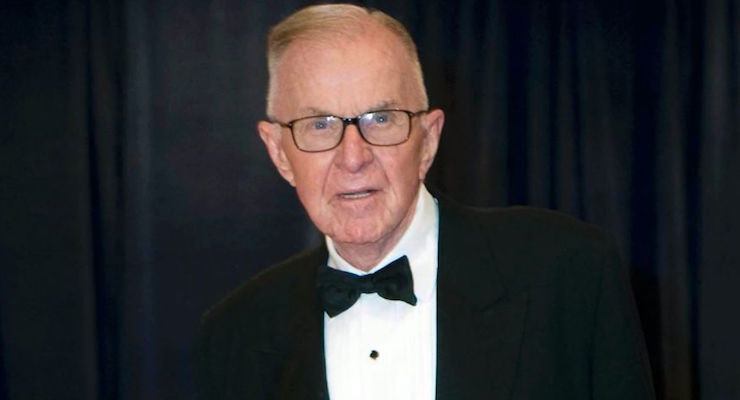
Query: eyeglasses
pixel 325 132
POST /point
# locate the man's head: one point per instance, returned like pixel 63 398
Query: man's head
pixel 345 61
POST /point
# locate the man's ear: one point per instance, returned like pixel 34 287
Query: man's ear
pixel 431 123
pixel 272 137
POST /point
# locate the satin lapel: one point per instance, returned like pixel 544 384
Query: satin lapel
pixel 305 372
pixel 479 324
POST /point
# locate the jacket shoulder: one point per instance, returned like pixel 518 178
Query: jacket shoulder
pixel 535 247
pixel 270 290
pixel 246 338
pixel 530 222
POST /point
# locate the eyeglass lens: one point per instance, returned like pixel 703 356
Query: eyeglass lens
pixel 383 128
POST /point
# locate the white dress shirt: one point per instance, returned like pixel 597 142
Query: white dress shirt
pixel 403 338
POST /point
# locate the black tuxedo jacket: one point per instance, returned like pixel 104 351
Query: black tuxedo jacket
pixel 530 305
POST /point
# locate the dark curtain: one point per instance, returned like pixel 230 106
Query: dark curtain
pixel 134 190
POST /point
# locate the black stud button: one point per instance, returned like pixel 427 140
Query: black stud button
pixel 374 354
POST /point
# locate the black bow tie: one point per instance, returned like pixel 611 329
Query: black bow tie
pixel 339 290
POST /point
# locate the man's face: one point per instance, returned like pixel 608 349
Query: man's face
pixel 356 193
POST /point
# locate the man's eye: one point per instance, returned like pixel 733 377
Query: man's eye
pixel 320 125
pixel 380 118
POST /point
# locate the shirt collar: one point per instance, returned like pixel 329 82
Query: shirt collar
pixel 418 243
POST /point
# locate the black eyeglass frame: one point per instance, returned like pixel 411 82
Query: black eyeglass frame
pixel 346 122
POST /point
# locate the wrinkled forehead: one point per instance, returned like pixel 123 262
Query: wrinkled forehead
pixel 365 41
pixel 347 72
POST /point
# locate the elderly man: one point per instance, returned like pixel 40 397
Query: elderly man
pixel 410 297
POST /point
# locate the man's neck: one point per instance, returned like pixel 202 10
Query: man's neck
pixel 364 256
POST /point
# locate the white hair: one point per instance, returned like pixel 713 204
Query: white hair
pixel 326 21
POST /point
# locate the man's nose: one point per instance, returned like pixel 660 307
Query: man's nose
pixel 354 152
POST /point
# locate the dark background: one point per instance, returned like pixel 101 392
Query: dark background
pixel 134 190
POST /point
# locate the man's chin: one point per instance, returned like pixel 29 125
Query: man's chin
pixel 357 236
pixel 354 239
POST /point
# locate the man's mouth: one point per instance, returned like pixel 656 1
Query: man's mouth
pixel 357 195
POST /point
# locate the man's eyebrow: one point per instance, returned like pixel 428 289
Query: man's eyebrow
pixel 383 105
pixel 310 111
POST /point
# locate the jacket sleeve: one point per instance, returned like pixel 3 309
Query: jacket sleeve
pixel 620 366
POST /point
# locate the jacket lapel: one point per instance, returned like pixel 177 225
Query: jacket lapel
pixel 479 324
pixel 305 370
